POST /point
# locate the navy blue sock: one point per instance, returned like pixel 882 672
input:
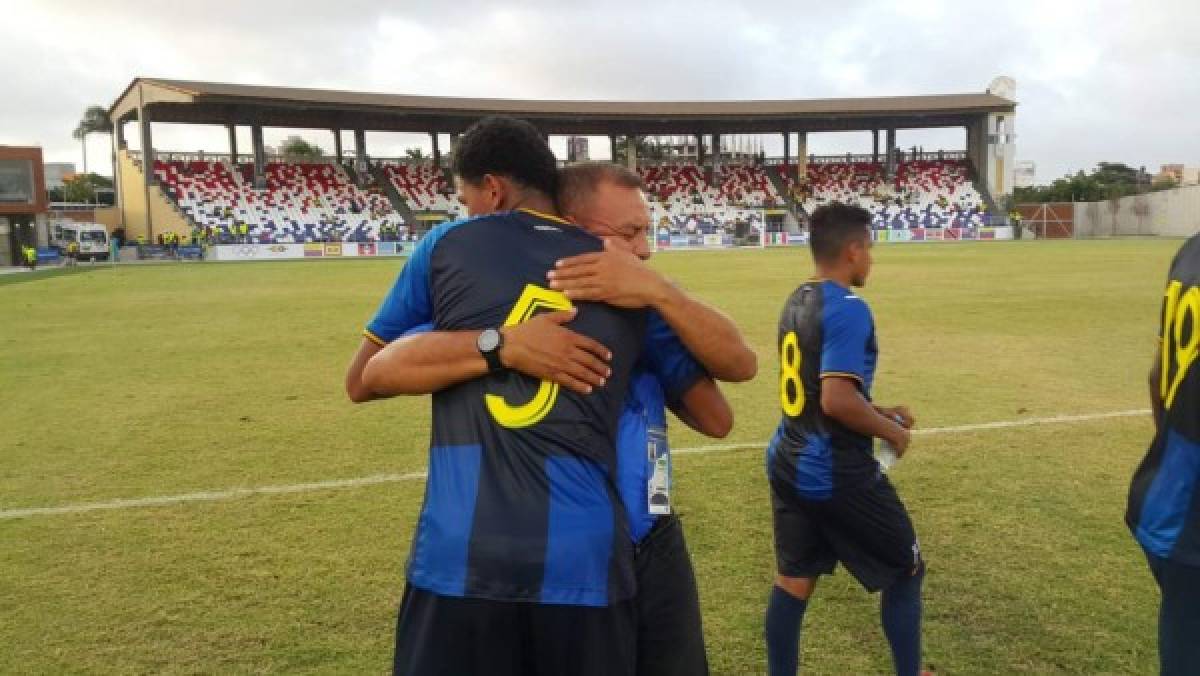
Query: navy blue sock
pixel 900 610
pixel 785 613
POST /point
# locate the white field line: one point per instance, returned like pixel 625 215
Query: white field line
pixel 233 493
pixel 1028 422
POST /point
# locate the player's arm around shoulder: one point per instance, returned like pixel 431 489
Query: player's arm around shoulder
pixel 356 389
pixel 424 361
pixel 408 304
pixel 704 408
pixel 618 277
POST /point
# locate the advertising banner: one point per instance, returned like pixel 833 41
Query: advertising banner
pixel 153 253
pixel 251 252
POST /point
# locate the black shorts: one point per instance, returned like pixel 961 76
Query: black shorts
pixel 452 636
pixel 670 634
pixel 1178 615
pixel 867 529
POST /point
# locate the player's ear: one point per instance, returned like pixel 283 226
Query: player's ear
pixel 852 251
pixel 494 191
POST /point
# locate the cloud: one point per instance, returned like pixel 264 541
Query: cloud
pixel 1096 80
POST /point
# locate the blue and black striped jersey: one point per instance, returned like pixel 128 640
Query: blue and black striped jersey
pixel 1164 503
pixel 825 331
pixel 521 502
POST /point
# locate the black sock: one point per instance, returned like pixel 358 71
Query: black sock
pixel 785 613
pixel 900 610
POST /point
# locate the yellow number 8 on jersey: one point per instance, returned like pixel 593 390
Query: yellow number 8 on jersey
pixel 532 299
pixel 790 359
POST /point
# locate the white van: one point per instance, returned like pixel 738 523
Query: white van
pixel 92 238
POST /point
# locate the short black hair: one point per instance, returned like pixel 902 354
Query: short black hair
pixel 832 226
pixel 506 146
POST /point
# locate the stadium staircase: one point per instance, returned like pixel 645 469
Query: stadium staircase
pixel 351 174
pixel 796 213
pixel 167 214
pixel 993 207
pixel 398 202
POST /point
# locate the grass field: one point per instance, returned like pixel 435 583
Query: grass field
pixel 162 380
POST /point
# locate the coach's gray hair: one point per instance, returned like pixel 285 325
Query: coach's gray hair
pixel 577 183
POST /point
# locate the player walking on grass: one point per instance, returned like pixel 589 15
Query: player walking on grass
pixel 1164 503
pixel 831 500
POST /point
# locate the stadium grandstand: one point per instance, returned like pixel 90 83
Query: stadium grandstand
pixel 708 178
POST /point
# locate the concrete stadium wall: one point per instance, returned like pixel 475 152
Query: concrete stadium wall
pixel 166 217
pixel 109 217
pixel 1167 213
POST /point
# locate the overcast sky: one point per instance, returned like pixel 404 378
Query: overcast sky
pixel 1095 80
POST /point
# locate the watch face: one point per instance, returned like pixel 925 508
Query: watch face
pixel 489 340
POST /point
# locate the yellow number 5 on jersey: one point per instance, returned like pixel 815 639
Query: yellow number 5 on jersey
pixel 790 359
pixel 1178 348
pixel 532 299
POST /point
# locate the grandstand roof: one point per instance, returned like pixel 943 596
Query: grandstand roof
pixel 224 103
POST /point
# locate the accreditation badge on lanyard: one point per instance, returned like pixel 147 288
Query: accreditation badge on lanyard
pixel 658 471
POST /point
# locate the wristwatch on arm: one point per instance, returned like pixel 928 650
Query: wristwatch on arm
pixel 489 343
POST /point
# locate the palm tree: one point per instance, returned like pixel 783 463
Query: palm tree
pixel 95 120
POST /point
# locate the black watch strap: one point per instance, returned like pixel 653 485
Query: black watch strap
pixel 489 343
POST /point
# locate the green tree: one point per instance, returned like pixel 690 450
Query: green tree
pixel 646 148
pixel 1108 181
pixel 82 188
pixel 94 120
pixel 298 147
pixel 414 153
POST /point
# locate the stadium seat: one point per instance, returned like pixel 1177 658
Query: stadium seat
pixel 922 194
pixel 424 188
pixel 302 201
pixel 682 201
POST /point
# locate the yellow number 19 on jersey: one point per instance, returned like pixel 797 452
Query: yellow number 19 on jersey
pixel 1179 308
pixel 532 299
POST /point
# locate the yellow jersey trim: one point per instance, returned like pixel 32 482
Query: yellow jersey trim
pixel 841 374
pixel 548 217
pixel 374 338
